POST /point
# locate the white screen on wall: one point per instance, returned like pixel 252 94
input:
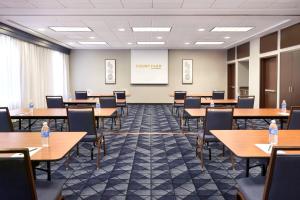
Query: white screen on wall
pixel 149 66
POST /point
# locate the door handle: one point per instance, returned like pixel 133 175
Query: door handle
pixel 270 90
pixel 232 87
pixel 292 89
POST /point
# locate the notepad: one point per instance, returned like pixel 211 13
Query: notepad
pixel 284 113
pixel 32 151
pixel 267 148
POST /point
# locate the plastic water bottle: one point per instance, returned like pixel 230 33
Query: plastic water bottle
pixel 31 106
pixel 45 133
pixel 212 104
pixel 273 133
pixel 283 106
pixel 97 105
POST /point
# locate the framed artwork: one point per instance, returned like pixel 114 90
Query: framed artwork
pixel 110 71
pixel 187 71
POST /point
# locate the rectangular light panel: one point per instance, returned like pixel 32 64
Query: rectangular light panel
pixel 70 29
pixel 208 43
pixel 93 43
pixel 151 29
pixel 232 29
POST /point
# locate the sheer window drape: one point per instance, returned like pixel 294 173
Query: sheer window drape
pixel 31 72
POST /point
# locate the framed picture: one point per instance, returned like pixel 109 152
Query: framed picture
pixel 110 71
pixel 187 71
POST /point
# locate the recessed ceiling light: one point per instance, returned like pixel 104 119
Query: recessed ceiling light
pixel 187 43
pixel 151 29
pixel 226 37
pixel 92 37
pixel 70 29
pixel 208 43
pixel 104 43
pixel 41 29
pixel 129 43
pixel 121 29
pixel 159 37
pixel 150 42
pixel 232 29
pixel 200 29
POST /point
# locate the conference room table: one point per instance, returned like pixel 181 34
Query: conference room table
pixel 196 94
pixel 98 94
pixel 56 113
pixel 60 144
pixel 89 101
pixel 224 102
pixel 245 113
pixel 245 143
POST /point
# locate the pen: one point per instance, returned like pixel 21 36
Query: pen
pixel 32 149
pixel 269 147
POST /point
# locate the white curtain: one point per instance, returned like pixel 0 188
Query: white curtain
pixel 41 72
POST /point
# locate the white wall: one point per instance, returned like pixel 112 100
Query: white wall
pixel 87 72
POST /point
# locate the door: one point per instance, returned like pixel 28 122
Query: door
pixel 295 83
pixel 286 63
pixel 231 81
pixel 268 82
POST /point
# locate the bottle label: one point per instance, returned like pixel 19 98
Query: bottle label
pixel 45 133
pixel 273 131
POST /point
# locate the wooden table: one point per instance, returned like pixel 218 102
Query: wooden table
pixel 54 113
pixel 242 142
pixel 88 101
pixel 60 143
pixel 216 101
pixel 245 113
pixel 195 94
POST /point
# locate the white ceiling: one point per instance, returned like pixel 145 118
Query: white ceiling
pixel 105 17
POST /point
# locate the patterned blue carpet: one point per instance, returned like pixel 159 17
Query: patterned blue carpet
pixel 150 158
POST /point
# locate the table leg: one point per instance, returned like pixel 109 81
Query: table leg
pixel 247 167
pixel 29 124
pixel 281 123
pixel 48 171
pixel 20 124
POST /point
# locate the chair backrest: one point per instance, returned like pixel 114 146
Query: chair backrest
pixel 5 120
pixel 179 95
pixel 245 102
pixel 283 176
pixel 218 94
pixel 55 102
pixel 108 102
pixel 192 102
pixel 82 119
pixel 218 118
pixel 294 119
pixel 120 94
pixel 16 179
pixel 81 95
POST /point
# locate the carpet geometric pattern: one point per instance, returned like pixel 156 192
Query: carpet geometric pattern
pixel 150 158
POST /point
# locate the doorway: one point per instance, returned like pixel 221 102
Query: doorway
pixel 231 81
pixel 268 82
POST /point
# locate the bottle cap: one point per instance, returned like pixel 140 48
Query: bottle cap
pixel 45 123
pixel 273 121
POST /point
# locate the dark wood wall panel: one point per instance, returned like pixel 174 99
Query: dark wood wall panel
pixel 268 42
pixel 290 36
pixel 231 54
pixel 243 50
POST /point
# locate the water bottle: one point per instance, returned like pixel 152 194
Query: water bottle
pixel 97 105
pixel 273 133
pixel 212 104
pixel 283 106
pixel 45 133
pixel 31 106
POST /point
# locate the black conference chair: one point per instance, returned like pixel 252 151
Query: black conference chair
pixel 55 102
pixel 16 179
pixel 218 94
pixel 109 102
pixel 83 119
pixel 5 120
pixel 215 119
pixel 191 102
pixel 281 182
pixel 81 95
pixel 178 96
pixel 294 119
pixel 121 100
pixel 245 102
